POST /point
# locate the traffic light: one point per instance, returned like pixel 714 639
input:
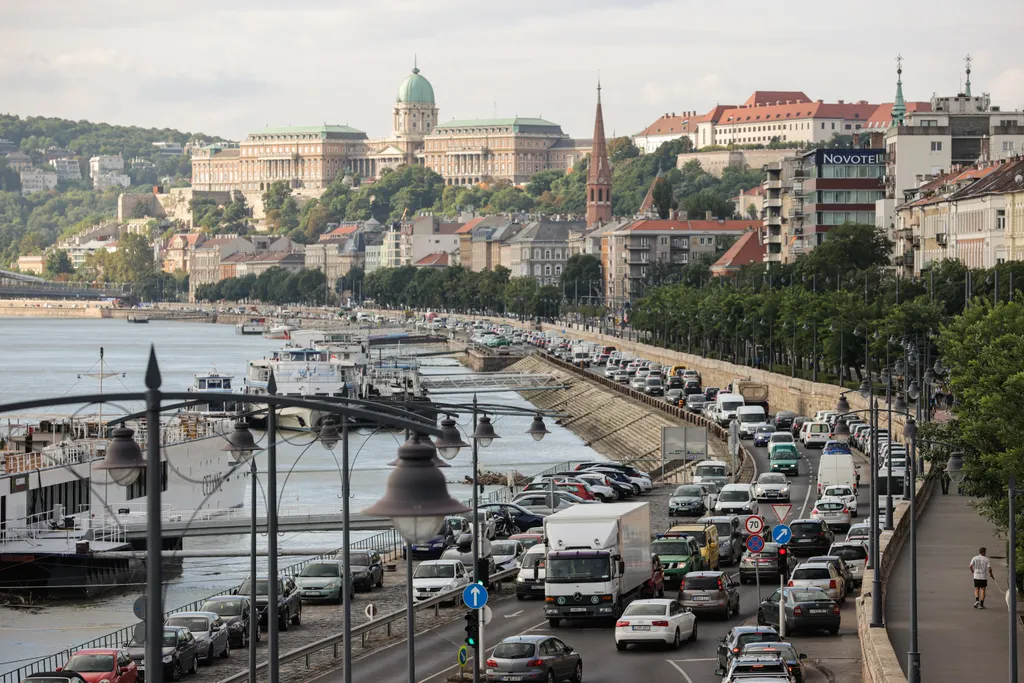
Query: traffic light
pixel 783 562
pixel 472 627
pixel 483 572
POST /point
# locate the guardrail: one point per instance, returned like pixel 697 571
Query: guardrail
pixel 384 542
pixel 361 631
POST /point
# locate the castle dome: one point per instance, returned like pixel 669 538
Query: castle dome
pixel 415 89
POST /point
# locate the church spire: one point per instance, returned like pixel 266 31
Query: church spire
pixel 967 86
pixel 899 107
pixel 599 175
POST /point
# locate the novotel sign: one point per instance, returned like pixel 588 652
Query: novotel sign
pixel 851 157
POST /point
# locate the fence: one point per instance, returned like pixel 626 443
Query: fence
pixel 384 542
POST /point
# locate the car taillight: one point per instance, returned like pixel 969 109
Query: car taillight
pixel 736 650
pixel 797 611
pixel 790 584
pixel 720 586
pixel 835 609
pixel 621 623
pixel 832 584
pixel 492 662
pixel 535 662
pixel 659 623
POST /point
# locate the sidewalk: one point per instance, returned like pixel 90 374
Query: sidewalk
pixel 957 643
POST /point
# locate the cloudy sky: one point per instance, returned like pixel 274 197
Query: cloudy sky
pixel 226 67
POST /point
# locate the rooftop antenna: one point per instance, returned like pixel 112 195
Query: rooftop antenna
pixel 967 88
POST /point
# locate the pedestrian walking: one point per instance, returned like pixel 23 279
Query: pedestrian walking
pixel 981 570
pixel 944 481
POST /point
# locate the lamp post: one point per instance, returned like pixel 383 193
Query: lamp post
pixel 913 654
pixel 483 435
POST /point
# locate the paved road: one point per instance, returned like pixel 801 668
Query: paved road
pixel 436 648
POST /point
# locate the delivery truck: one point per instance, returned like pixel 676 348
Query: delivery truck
pixel 599 559
pixel 753 393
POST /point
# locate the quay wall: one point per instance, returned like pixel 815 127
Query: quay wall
pixel 44 308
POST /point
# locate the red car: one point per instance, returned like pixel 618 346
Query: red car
pixel 103 665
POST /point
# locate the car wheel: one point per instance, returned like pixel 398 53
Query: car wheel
pixel 636 489
pixel 693 634
pixel 554 623
pixel 227 649
pixel 551 676
pixel 176 672
pixel 577 676
pixel 620 646
pixel 676 641
pixel 834 631
pixel 195 665
pixel 380 581
pixel 297 619
pixel 760 618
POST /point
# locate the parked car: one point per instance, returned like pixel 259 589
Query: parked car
pixel 710 592
pixel 451 528
pixel 210 632
pixel 367 569
pixel 807 609
pixel 658 620
pixel 55 677
pixel 178 650
pixel 534 658
pixel 544 504
pixel 506 554
pixel 95 665
pixel 289 601
pixel 523 518
pixel 527 539
pixel 733 642
pixel 322 580
pixel 233 611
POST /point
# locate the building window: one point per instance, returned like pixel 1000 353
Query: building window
pixel 1000 219
pixel 1008 145
pixel 547 269
pixel 936 145
pixel 547 254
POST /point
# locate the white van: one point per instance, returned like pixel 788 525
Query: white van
pixel 530 579
pixel 714 471
pixel 727 405
pixel 750 418
pixel 736 499
pixel 815 434
pixel 836 468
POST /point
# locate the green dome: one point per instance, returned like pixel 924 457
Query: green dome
pixel 416 89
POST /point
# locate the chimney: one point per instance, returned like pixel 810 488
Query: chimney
pixel 707 215
pixel 684 216
pixel 840 101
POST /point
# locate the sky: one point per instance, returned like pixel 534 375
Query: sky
pixel 227 67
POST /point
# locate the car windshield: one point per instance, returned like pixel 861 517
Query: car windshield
pixel 503 547
pixel 90 663
pixel 513 651
pixel 688 492
pixel 696 582
pixel 811 574
pixel 785 651
pixel 645 609
pixel 194 624
pixel 770 478
pixel 533 560
pixel 851 552
pixel 724 529
pixel 225 608
pixel 654 381
pixel 838 491
pixel 765 429
pixel 262 587
pixel 319 569
pixel 435 571
pixel 751 417
pixel 859 532
pixel 731 405
pixel 359 559
pixel 757 637
pixel 806 595
pixel 670 548
pixel 700 536
pixel 572 569
pixel 710 471
pixel 734 496
pixel 782 437
pixel 805 528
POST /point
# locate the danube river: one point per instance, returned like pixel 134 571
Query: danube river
pixel 46 357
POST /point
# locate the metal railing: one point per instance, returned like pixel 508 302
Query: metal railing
pixel 363 630
pixel 385 542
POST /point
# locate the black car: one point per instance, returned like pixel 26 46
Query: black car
pixel 179 651
pixel 797 424
pixel 451 529
pixel 523 518
pixel 367 569
pixel 784 419
pixel 692 386
pixel 807 609
pixel 810 537
pixel 733 642
pixel 711 393
pixel 289 601
pixel 54 677
pixel 675 382
pixel 793 659
pixel 233 611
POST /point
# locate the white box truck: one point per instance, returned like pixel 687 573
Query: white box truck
pixel 599 558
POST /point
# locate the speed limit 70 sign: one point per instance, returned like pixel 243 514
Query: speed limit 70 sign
pixel 755 525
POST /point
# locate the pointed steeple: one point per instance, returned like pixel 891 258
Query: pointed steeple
pixel 899 107
pixel 967 86
pixel 599 175
pixel 647 205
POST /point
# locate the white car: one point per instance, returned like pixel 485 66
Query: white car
pixel 736 499
pixel 506 554
pixel 820 575
pixel 861 533
pixel 833 511
pixel 640 480
pixel 655 621
pixel 855 554
pixel 772 486
pixel 437 576
pixel 843 491
pixel 599 485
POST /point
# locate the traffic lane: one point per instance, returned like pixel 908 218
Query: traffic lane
pixel 802 486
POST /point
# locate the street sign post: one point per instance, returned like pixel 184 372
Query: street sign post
pixel 486 615
pixel 781 511
pixel 475 596
pixel 139 608
pixel 755 525
pixel 782 534
pixel 370 611
pixel 755 544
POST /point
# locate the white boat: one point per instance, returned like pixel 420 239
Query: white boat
pixel 215 382
pixel 252 326
pixel 279 332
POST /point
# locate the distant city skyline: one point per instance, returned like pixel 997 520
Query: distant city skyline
pixel 234 67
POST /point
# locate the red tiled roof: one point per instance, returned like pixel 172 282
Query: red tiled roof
pixel 747 249
pixel 763 97
pixel 882 117
pixel 438 259
pixel 802 110
pixel 236 257
pixel 468 227
pixel 343 230
pixel 693 226
pixel 671 125
pixel 755 191
pixel 715 114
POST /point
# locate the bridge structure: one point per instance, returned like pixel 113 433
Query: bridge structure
pixel 21 286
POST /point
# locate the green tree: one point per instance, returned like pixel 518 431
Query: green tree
pixel 621 148
pixel 58 263
pixel 541 182
pixel 133 259
pixel 664 201
pixel 581 276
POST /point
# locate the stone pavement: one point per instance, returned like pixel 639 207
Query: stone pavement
pixel 957 643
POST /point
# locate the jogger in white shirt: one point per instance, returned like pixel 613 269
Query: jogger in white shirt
pixel 981 570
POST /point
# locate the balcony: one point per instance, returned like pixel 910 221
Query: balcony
pixel 773 220
pixel 636 260
pixel 774 183
pixel 774 202
pixel 915 242
pixel 797 231
pixel 906 233
pixel 637 246
pixel 796 213
pixel 685 246
pixel 799 173
pixel 942 239
pixel 798 187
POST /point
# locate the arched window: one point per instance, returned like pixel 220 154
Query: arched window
pixel 536 254
pixel 600 193
pixel 536 269
pixel 547 269
pixel 591 194
pixel 526 254
pixel 547 254
pixel 558 269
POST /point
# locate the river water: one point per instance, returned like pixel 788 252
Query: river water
pixel 45 357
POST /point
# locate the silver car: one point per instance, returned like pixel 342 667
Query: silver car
pixel 772 486
pixel 534 658
pixel 820 575
pixel 322 580
pixel 209 630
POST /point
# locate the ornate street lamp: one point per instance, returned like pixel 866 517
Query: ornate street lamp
pixel 537 429
pixel 240 443
pixel 123 460
pixel 450 441
pixel 328 434
pixel 484 433
pixel 955 468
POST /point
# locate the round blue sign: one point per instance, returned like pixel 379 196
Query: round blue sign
pixel 755 544
pixel 782 534
pixel 475 596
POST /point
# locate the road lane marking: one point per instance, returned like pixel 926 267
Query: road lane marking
pixel 469 664
pixel 698 659
pixel 680 670
pixel 514 614
pixel 807 496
